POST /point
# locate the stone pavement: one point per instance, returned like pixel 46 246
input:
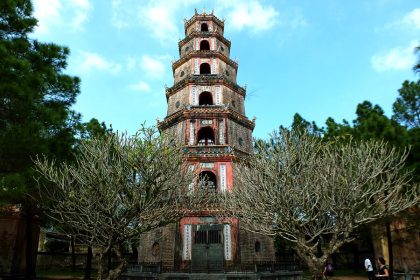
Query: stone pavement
pixel 348 278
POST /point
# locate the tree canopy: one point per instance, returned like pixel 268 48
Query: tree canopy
pixel 117 188
pixel 316 192
pixel 35 101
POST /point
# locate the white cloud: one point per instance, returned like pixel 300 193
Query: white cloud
pixel 141 86
pixel 131 63
pixel 412 19
pixel 82 9
pixel 160 21
pixel 159 17
pixel 296 21
pixel 399 58
pixel 47 12
pixel 61 14
pixel 409 22
pixel 122 14
pixel 93 61
pixel 152 67
pixel 252 15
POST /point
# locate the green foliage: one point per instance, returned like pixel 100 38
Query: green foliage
pixel 416 67
pixel 413 160
pixel 35 101
pixel 302 125
pixel 371 123
pixel 94 129
pixel 407 112
pixel 407 106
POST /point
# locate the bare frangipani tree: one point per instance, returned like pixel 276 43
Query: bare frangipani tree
pixel 316 194
pixel 118 188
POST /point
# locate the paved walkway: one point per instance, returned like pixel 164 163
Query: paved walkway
pixel 347 278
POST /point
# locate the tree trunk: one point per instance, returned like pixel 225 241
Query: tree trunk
pixel 315 264
pixel 73 254
pixel 29 269
pixel 356 261
pixel 100 266
pixel 88 267
pixel 109 258
pixel 390 252
pixel 122 264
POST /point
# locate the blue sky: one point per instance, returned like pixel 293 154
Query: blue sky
pixel 317 58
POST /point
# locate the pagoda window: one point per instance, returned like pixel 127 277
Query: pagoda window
pixel 205 68
pixel 204 27
pixel 205 136
pixel 205 98
pixel 204 45
pixel 208 181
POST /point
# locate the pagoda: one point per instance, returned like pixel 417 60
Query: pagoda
pixel 206 114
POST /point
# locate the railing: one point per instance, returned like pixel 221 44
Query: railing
pixel 146 267
pixel 267 266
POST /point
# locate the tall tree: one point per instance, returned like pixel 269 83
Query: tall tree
pixel 314 192
pixel 35 114
pixel 35 100
pixel 407 112
pixel 407 106
pixel 300 124
pixel 416 67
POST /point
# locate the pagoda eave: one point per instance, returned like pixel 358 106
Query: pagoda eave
pixel 203 16
pixel 197 34
pixel 205 112
pixel 212 79
pixel 204 54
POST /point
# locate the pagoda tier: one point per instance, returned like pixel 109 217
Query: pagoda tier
pixel 204 54
pixel 206 116
pixel 205 80
pixel 185 46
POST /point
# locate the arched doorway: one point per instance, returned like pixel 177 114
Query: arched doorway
pixel 205 98
pixel 205 136
pixel 204 27
pixel 204 45
pixel 205 68
pixel 207 181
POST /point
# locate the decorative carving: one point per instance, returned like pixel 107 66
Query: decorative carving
pixel 191 142
pixel 196 69
pixel 213 66
pixel 194 95
pixel 221 132
pixel 206 122
pixel 227 242
pixel 208 165
pixel 222 174
pixel 218 95
pixel 186 252
pixel 191 168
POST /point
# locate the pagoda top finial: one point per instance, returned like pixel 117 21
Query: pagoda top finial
pixel 203 16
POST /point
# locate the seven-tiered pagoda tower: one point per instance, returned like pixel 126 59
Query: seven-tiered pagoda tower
pixel 206 113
